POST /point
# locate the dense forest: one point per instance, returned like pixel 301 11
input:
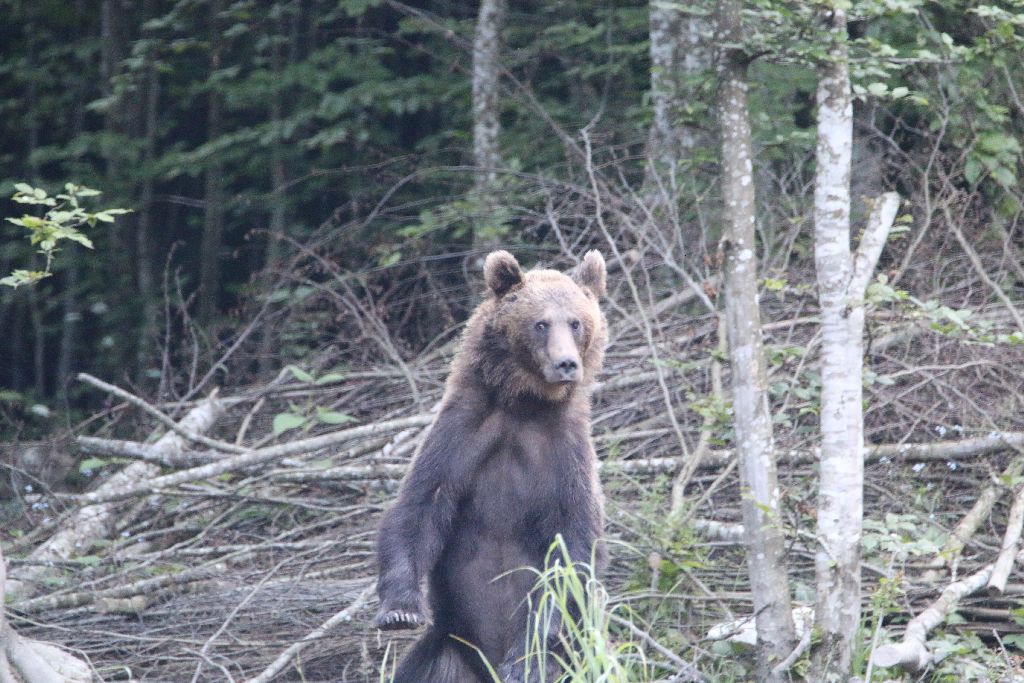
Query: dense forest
pixel 294 204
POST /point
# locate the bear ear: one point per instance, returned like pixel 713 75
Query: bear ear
pixel 591 272
pixel 502 272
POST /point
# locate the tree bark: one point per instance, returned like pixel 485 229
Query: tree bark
pixel 842 281
pixel 753 426
pixel 146 279
pixel 486 121
pixel 278 181
pixel 213 213
pixel 676 53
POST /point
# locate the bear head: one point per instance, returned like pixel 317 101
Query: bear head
pixel 541 333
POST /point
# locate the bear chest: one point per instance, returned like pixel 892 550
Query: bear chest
pixel 523 479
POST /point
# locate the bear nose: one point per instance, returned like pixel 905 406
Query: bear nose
pixel 567 366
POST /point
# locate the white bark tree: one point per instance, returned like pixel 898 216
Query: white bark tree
pixel 754 443
pixel 842 281
pixel 677 53
pixel 486 114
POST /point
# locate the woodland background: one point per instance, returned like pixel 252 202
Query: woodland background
pixel 313 187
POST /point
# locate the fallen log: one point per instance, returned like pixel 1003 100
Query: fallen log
pixel 96 522
pixel 248 459
pixel 910 452
pixel 912 653
pixel 32 661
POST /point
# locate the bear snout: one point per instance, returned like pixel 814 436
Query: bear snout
pixel 564 369
pixel 567 368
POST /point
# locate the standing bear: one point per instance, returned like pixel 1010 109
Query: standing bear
pixel 507 465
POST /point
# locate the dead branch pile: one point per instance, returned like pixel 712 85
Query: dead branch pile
pixel 218 549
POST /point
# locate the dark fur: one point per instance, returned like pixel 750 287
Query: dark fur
pixel 506 466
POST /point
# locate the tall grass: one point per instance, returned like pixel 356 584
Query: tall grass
pixel 570 626
pixel 569 606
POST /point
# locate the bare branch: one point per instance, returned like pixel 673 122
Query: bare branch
pixel 1011 542
pixel 883 213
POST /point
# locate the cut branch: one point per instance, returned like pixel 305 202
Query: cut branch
pixel 1011 543
pixel 912 653
pixel 249 459
pixel 163 419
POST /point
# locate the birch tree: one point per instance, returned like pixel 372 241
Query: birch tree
pixel 486 110
pixel 842 281
pixel 676 53
pixel 753 425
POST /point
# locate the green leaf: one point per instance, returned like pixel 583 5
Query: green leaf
pixel 286 421
pixel 878 89
pixel 91 464
pixel 80 238
pixel 333 417
pixel 23 277
pixel 1015 640
pixel 299 373
pixel 329 378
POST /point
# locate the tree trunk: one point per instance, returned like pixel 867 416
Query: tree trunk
pixel 278 180
pixel 35 305
pixel 148 329
pixel 70 314
pixel 677 53
pixel 213 214
pixel 840 502
pixel 842 282
pixel 753 425
pixel 486 122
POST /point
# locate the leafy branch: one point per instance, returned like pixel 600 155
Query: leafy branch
pixel 62 220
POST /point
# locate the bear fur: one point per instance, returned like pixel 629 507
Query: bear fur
pixel 507 464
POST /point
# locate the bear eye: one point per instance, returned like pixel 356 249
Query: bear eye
pixel 575 325
pixel 541 326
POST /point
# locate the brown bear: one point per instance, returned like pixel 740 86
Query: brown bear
pixel 507 465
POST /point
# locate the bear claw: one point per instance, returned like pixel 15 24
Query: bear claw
pixel 397 619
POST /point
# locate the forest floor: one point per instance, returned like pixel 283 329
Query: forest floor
pixel 251 537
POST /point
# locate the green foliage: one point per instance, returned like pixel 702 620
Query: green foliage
pixel 900 537
pixel 943 319
pixel 308 416
pixel 62 220
pixel 571 594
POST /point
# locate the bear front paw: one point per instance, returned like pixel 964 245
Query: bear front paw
pixel 396 619
pixel 511 672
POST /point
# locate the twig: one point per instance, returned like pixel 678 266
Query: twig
pixel 278 665
pixel 163 419
pixel 251 458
